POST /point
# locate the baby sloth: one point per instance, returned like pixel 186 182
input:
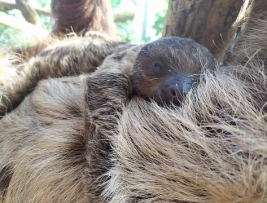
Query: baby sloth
pixel 167 69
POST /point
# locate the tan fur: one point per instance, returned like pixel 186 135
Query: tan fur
pixel 70 141
pixel 83 55
pixel 74 128
pixel 65 58
pixel 26 53
pixel 7 75
pixel 212 149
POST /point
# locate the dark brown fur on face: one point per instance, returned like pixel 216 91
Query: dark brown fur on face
pixel 166 70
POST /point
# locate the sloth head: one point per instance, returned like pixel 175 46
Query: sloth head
pixel 167 69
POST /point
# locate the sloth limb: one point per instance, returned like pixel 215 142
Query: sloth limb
pixel 67 58
pixel 164 70
pixel 79 105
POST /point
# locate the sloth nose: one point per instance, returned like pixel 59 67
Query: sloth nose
pixel 178 88
pixel 174 94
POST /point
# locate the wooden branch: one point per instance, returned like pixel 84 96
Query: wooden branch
pixel 118 17
pixel 235 31
pixel 26 27
pixel 29 13
pixel 123 16
pixel 205 21
pixel 10 6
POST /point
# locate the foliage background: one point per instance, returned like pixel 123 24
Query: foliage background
pixel 128 30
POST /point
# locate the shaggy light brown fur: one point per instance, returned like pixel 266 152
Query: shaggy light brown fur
pixel 55 145
pixel 26 53
pixel 65 135
pixel 66 58
pixel 211 149
pixel 182 61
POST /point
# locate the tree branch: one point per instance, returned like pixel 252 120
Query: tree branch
pixel 123 16
pixel 29 13
pixel 235 31
pixel 118 17
pixel 10 6
pixel 26 27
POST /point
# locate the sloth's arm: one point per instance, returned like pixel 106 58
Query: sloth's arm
pixel 66 58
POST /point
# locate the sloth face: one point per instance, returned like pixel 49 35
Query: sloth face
pixel 166 70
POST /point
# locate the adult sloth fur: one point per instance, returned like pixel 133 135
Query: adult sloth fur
pixel 213 149
pixel 55 147
pixel 62 145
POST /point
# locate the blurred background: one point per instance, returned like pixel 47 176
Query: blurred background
pixel 137 21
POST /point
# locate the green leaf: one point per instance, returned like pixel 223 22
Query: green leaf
pixel 115 3
pixel 159 23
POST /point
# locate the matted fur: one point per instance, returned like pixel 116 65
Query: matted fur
pixel 7 75
pixel 26 53
pixel 32 126
pixel 211 149
pixel 79 55
pixel 67 57
pixel 55 145
pixel 62 134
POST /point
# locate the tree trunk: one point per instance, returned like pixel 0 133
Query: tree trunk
pixel 206 21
